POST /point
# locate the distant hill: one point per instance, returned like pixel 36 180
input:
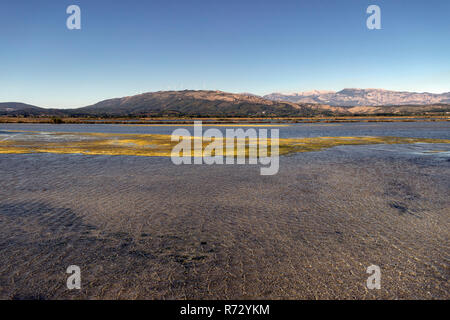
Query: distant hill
pixel 17 108
pixel 362 97
pixel 23 109
pixel 195 103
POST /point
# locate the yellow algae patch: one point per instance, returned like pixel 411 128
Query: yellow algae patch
pixel 162 145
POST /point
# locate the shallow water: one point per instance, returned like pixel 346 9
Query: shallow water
pixel 436 130
pixel 141 227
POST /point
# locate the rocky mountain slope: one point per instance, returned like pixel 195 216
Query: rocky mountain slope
pixel 362 97
pixel 195 103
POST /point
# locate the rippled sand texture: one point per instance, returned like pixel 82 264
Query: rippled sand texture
pixel 143 228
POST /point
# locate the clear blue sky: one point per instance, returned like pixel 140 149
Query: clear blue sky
pixel 259 46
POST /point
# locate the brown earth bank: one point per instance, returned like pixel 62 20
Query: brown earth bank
pixel 215 120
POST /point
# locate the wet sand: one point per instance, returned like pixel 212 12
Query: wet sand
pixel 143 228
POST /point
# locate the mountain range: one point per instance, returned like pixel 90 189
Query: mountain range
pixel 195 103
pixel 362 97
pixel 205 103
